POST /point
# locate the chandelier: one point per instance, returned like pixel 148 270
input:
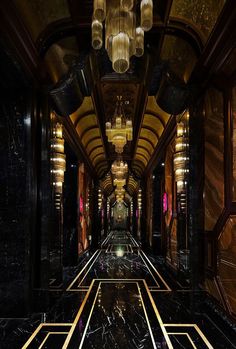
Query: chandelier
pixel 123 39
pixel 119 183
pixel 119 168
pixel 119 131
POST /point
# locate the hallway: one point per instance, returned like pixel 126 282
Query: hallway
pixel 125 301
pixel 118 174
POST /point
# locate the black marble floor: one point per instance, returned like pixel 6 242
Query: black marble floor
pixel 123 298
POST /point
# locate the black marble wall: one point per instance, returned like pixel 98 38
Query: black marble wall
pixel 70 231
pixel 14 202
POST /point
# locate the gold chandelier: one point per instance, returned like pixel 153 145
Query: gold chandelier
pixel 119 168
pixel 123 39
pixel 119 131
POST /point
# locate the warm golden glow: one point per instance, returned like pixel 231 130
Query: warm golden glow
pixel 181 159
pixel 99 9
pixel 96 34
pixel 119 168
pixel 146 14
pixel 120 130
pixel 58 162
pixel 122 38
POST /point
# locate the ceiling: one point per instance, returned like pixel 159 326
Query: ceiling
pixel 61 32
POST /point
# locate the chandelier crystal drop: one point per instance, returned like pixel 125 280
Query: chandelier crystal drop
pixel 146 14
pixel 99 10
pixel 97 28
pixel 123 38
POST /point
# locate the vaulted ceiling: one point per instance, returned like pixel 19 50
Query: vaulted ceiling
pixel 61 33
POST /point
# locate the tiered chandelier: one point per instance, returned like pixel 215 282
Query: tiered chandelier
pixel 119 131
pixel 123 39
pixel 119 170
pixel 181 160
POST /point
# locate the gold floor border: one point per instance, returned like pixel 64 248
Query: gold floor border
pixel 38 329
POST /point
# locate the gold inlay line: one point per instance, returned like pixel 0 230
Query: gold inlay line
pixel 46 338
pixel 183 334
pixel 74 280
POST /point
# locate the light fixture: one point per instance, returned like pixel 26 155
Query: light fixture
pixel 123 38
pixel 119 131
pixel 119 168
pixel 58 162
pixel 181 159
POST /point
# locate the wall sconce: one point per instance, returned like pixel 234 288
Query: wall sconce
pixel 181 160
pixel 58 162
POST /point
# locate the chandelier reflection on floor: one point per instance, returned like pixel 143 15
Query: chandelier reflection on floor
pixel 123 38
pixel 119 130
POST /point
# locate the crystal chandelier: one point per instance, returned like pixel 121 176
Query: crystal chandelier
pixel 119 168
pixel 123 39
pixel 119 131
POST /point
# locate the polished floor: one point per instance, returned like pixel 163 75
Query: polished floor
pixel 120 297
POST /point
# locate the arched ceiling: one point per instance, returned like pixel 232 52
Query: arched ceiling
pixel 61 31
pixel 86 125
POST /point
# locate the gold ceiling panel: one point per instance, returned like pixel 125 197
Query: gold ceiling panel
pixel 148 134
pixel 98 158
pixel 202 14
pixel 143 143
pixel 141 158
pixel 107 185
pixel 90 135
pixel 138 168
pixel 154 108
pixel 153 125
pixel 93 145
pixel 143 152
pixel 132 185
pixel 86 125
pixel 96 152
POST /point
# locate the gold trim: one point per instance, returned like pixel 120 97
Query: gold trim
pixel 184 334
pixel 158 317
pixel 196 328
pixel 34 334
pixel 74 280
pixel 159 275
pixel 49 333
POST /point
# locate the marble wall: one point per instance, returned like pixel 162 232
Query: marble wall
pixel 227 263
pixel 170 215
pixel 14 204
pixel 233 105
pixel 214 157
